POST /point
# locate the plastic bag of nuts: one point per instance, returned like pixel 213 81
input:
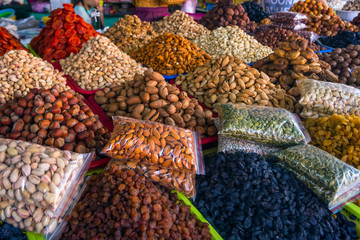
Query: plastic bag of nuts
pixel 151 144
pixel 321 99
pixel 183 182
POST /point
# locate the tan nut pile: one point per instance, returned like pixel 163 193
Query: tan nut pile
pixel 232 41
pixel 181 24
pixel 151 98
pixel 99 64
pixel 130 33
pixel 228 80
pixel 352 6
pixel 21 71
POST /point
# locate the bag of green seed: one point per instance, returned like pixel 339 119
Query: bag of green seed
pixel 332 180
pixel 275 127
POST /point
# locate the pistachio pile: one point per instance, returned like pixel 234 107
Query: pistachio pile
pixel 105 65
pixel 228 80
pixel 130 33
pixel 231 40
pixel 181 24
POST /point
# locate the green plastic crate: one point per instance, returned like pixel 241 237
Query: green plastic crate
pixel 351 209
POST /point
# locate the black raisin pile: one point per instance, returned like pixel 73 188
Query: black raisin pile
pixel 254 11
pixel 245 197
pixel 342 39
pixel 8 232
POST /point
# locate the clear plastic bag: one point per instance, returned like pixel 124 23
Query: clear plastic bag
pixel 311 36
pixel 291 25
pixel 331 179
pixel 286 17
pixel 320 99
pixel 152 143
pixel 38 175
pixel 183 182
pixel 272 126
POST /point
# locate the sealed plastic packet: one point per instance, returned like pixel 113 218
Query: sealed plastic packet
pixel 288 17
pixel 331 179
pixel 274 127
pixel 153 144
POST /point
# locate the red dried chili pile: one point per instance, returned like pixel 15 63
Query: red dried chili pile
pixel 9 42
pixel 65 32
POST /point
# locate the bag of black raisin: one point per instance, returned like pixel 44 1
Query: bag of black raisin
pixel 332 180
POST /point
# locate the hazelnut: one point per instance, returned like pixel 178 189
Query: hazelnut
pixel 79 127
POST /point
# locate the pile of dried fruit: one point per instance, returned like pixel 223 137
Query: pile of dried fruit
pixel 149 97
pixel 9 42
pixel 227 79
pixel 272 36
pixel 232 41
pixel 21 72
pixel 121 204
pixel 130 33
pixel 294 60
pixel 170 54
pixel 329 25
pixel 254 11
pixel 338 135
pixel 312 7
pixel 245 197
pixel 105 65
pixel 356 20
pixel 65 33
pixel 53 118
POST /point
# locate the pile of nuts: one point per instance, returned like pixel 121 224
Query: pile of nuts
pixel 225 13
pixel 130 33
pixel 170 54
pixel 53 118
pixel 104 65
pixel 351 6
pixel 181 24
pixel 232 41
pixel 228 80
pixel 312 7
pixel 338 135
pixel 149 97
pixel 329 25
pixel 122 204
pixel 293 60
pixel 271 36
pixel 21 71
pixel 342 62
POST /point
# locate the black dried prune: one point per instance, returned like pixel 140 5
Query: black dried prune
pixel 9 232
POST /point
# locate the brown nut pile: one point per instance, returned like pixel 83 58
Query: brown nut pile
pixel 356 20
pixel 342 62
pixel 130 33
pixel 181 24
pixel 226 13
pixel 338 135
pixel 271 36
pixel 329 25
pixel 149 97
pixel 170 54
pixel 228 80
pixel 312 7
pixel 122 204
pixel 21 71
pixel 53 118
pixel 294 60
pixel 99 64
pixel 351 5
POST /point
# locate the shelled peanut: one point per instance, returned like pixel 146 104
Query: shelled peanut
pixel 99 64
pixel 294 60
pixel 229 80
pixel 53 118
pixel 149 97
pixel 170 54
pixel 21 71
pixel 130 33
pixel 338 135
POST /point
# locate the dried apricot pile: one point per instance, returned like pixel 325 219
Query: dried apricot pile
pixel 64 33
pixel 9 42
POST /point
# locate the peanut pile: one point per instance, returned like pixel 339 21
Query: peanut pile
pixel 170 54
pixel 149 97
pixel 181 24
pixel 130 33
pixel 228 80
pixel 21 71
pixel 104 65
pixel 232 41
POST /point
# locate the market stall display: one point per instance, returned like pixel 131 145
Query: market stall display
pixel 326 25
pixel 105 64
pixel 231 40
pixel 130 33
pixel 228 79
pixel 149 97
pixel 254 11
pixel 170 54
pixel 53 117
pixel 21 72
pixel 341 40
pixel 181 24
pixel 310 7
pixel 9 42
pixel 289 20
pixel 65 33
